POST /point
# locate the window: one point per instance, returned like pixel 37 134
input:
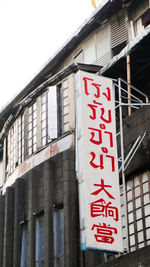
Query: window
pixel 138 26
pixel 65 98
pixel 142 22
pixel 103 48
pixel 52 113
pixel 63 107
pixel 118 31
pixel 39 242
pixel 24 243
pixel 20 139
pixel 58 231
pixel 13 155
pixel 138 209
pixel 44 119
pixel 32 129
pixel 146 19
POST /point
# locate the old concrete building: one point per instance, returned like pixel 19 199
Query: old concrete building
pixel 39 202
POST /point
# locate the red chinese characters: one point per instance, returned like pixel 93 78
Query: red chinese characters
pixel 101 208
pixel 102 188
pixel 104 233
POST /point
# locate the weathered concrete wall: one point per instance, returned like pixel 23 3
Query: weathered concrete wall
pixel 138 258
pixel 37 192
pixel 8 228
pixel 2 214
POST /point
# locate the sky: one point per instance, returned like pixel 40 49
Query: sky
pixel 31 31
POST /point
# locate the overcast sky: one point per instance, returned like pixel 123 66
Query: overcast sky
pixel 31 31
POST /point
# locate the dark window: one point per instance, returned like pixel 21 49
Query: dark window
pixel 39 242
pixel 146 19
pixel 58 231
pixel 24 243
pixel 117 49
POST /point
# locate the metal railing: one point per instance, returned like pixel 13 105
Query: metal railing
pixel 137 99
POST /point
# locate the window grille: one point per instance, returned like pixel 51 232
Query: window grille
pixel 32 129
pixel 65 96
pixel 138 210
pixel 20 139
pixel 63 107
pixel 44 119
pixel 13 158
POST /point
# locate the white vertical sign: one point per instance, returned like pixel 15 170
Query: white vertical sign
pixel 96 164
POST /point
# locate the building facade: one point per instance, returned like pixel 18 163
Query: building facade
pixel 39 201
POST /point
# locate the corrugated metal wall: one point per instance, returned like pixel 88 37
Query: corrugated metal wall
pixel 118 30
pixel 103 48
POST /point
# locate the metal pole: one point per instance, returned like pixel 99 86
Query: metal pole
pixel 130 153
pixel 129 82
pixel 122 158
pixel 135 150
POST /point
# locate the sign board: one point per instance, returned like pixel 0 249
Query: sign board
pixel 97 164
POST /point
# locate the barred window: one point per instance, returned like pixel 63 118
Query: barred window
pixel 21 139
pixel 32 129
pixel 44 119
pixel 13 157
pixel 65 106
pixel 138 210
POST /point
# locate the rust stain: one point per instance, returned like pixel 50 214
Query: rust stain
pixel 47 154
pixel 26 166
pixel 54 149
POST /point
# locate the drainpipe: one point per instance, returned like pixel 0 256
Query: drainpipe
pixel 130 30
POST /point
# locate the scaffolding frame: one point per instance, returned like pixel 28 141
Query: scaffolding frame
pixel 137 99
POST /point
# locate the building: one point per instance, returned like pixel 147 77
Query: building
pixel 39 204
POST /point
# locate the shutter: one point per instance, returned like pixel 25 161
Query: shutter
pixel 103 48
pixel 118 30
pixel 89 51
